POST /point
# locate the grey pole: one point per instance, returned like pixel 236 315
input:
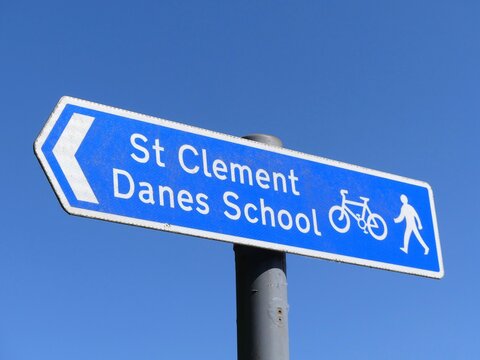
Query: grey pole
pixel 262 306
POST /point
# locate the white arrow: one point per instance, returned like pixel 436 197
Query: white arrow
pixel 65 150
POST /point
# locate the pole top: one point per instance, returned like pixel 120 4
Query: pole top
pixel 266 139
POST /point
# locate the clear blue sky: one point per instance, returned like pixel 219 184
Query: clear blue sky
pixel 392 86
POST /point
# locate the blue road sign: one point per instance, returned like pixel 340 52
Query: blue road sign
pixel 116 165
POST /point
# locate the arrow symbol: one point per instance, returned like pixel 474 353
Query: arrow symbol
pixel 65 150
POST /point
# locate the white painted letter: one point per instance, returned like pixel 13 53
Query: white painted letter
pixel 205 163
pixel 231 205
pixel 146 196
pixel 116 191
pixel 264 209
pixel 193 170
pixel 262 178
pixel 184 197
pixel 158 149
pixel 250 219
pixel 146 155
pixel 242 170
pixel 315 224
pixel 293 179
pixel 280 176
pixel 202 202
pixel 289 223
pixel 305 229
pixel 219 167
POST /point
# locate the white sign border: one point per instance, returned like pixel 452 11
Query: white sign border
pixel 65 100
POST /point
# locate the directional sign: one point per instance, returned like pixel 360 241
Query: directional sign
pixel 116 165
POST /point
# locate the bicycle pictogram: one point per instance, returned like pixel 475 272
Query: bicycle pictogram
pixel 370 223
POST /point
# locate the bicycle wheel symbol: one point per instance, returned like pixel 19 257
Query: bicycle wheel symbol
pixel 377 227
pixel 339 219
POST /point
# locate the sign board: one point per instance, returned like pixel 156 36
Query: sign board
pixel 116 165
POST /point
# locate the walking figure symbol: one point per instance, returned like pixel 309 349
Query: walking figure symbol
pixel 413 224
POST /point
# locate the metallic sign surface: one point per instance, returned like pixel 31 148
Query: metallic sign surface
pixel 120 166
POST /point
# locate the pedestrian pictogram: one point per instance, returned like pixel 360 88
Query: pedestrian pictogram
pixel 413 225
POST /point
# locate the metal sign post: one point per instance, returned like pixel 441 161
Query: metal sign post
pixel 262 306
